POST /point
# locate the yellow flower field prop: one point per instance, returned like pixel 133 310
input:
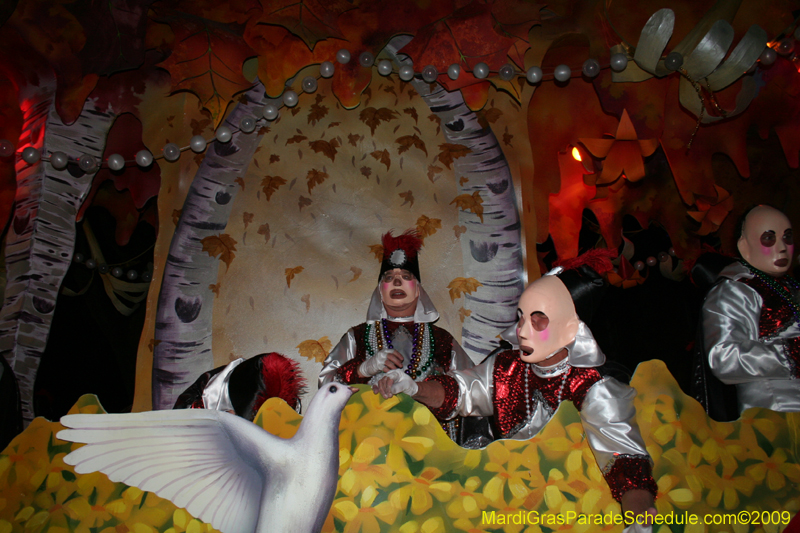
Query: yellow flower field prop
pixel 400 472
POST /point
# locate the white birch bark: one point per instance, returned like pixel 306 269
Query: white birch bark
pixel 185 302
pixel 492 248
pixel 41 238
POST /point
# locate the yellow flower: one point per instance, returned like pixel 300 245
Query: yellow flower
pixel 512 468
pixel 725 488
pixel 371 417
pixel 362 472
pixel 467 502
pixel 419 489
pixel 673 426
pixel 669 495
pixel 364 517
pixel 717 447
pixel 577 451
pixel 774 468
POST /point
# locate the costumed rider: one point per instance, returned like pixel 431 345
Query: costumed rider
pixel 242 386
pixel 751 318
pixel 399 333
pixel 558 360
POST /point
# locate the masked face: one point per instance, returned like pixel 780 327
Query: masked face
pixel 399 292
pixel 767 242
pixel 546 319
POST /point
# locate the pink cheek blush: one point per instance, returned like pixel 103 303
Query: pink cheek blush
pixel 385 286
pixel 544 334
pixel 766 250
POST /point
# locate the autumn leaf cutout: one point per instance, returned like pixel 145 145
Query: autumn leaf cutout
pixel 222 245
pixel 315 350
pixel 461 286
pixel 291 273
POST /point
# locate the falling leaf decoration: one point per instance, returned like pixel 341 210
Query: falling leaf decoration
pixel 296 139
pixel 333 124
pixel 152 344
pixel 215 288
pixel 356 273
pixel 492 115
pixel 623 154
pixel 711 214
pixel 436 120
pixel 382 156
pixel 461 286
pixel 240 181
pixel 270 184
pixel 462 180
pixel 306 299
pixel 373 117
pixel 463 314
pixel 317 111
pixel 377 251
pixel 247 218
pixel 291 273
pixel 407 141
pixel 412 113
pixel 303 202
pixel 470 202
pixel 366 172
pixel 433 170
pixel 176 215
pixel 204 60
pixel 222 245
pixel 328 148
pixel 315 350
pixel 264 230
pixel 459 230
pixel 354 138
pixel 315 177
pixel 199 126
pixel 274 158
pixel 428 226
pixel 311 20
pixel 408 198
pixel 449 152
pixel 507 138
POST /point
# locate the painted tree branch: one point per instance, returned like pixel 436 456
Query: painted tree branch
pixel 185 303
pixel 41 238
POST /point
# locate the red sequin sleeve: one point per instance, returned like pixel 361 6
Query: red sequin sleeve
pixel 628 473
pixel 448 408
pixel 348 372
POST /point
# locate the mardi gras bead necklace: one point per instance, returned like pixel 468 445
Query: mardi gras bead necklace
pixel 563 367
pixel 778 288
pixel 422 345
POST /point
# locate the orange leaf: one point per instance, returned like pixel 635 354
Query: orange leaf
pixel 413 113
pixel 407 141
pixel 366 171
pixel 458 230
pixel 303 202
pixel 328 148
pixel 317 112
pixel 356 273
pixel 306 299
pixel 449 152
pixel 315 350
pixel 377 251
pixel 311 20
pixel 408 197
pixel 176 215
pixel 315 177
pixel 215 288
pixel 247 218
pixel 240 181
pixel 432 171
pixel 382 156
pixel 469 202
pixel 461 286
pixel 373 117
pixel 290 274
pixel 353 138
pixel 152 344
pixel 492 115
pixel 222 245
pixel 270 184
pixel 463 314
pixel 296 139
pixel 428 226
pixel 264 230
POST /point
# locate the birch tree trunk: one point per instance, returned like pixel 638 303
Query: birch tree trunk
pixel 41 239
pixel 491 248
pixel 185 302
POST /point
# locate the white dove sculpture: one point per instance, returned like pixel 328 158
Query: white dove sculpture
pixel 221 468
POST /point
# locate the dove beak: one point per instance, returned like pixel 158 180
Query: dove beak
pixel 353 389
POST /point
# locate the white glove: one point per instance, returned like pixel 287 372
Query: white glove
pixel 374 365
pixel 402 382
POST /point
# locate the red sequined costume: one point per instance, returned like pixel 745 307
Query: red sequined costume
pixel 523 397
pixel 752 337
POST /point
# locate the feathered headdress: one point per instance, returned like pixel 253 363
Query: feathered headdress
pixel 401 252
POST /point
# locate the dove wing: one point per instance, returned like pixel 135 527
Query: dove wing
pixel 196 458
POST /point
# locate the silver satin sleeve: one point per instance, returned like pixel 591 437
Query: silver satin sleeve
pixel 474 390
pixel 459 359
pixel 341 353
pixel 609 421
pixel 731 314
